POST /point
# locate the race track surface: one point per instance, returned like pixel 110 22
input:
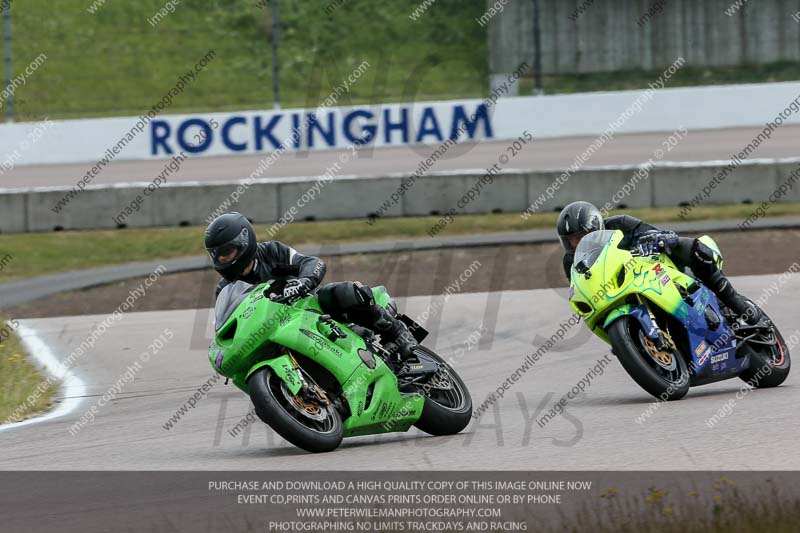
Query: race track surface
pixel 600 431
pixel 699 145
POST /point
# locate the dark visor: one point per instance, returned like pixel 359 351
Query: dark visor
pixel 226 254
pixel 570 242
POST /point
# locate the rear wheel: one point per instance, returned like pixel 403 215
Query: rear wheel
pixel 303 419
pixel 448 405
pixel 770 361
pixel 665 375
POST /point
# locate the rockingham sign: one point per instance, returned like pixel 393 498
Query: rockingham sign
pixel 496 117
pixel 255 132
pixel 335 128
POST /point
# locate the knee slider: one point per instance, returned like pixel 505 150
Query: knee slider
pixel 704 257
pixel 363 294
pixel 346 296
pixel 703 253
pixel 704 264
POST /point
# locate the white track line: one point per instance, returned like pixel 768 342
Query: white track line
pixel 72 387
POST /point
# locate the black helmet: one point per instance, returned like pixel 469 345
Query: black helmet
pixel 575 221
pixel 231 244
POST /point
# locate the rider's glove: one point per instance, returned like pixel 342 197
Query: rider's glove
pixel 296 288
pixel 654 242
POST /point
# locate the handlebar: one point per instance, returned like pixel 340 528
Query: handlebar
pixel 276 292
pixel 281 299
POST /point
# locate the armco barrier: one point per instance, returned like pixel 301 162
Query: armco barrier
pixel 784 171
pixel 341 197
pixel 438 193
pixel 193 204
pixel 12 213
pixel 750 182
pixel 596 185
pixel 269 200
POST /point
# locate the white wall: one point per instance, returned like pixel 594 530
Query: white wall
pixel 74 141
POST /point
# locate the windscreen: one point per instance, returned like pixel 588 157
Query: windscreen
pixel 591 246
pixel 228 300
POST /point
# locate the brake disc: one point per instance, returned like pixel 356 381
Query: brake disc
pixel 440 380
pixel 664 359
pixel 311 410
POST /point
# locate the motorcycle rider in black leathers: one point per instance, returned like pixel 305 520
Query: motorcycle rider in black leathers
pixel 579 218
pixel 230 241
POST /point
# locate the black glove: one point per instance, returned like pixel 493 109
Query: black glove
pixel 654 242
pixel 295 288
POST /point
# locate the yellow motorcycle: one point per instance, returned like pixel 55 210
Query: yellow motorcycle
pixel 668 331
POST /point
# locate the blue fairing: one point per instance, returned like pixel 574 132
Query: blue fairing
pixel 713 352
pixel 708 362
pixel 640 313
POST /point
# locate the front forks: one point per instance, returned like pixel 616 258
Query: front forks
pixel 660 338
pixel 311 389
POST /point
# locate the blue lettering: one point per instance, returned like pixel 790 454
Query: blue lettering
pixel 159 132
pixel 389 126
pixel 367 130
pixel 206 137
pixel 226 131
pixel 266 131
pixel 428 116
pixel 296 129
pixel 460 115
pixel 313 124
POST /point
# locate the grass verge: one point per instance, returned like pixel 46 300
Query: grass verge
pixel 18 379
pixel 133 62
pixel 443 54
pixel 47 253
pixel 722 509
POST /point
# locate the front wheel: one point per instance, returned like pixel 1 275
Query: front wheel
pixel 303 421
pixel 448 405
pixel 664 375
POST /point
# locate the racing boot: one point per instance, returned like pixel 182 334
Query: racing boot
pixel 748 312
pixel 395 335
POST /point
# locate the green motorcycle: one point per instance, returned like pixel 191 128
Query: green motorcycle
pixel 315 380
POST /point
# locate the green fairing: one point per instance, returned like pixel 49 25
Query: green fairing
pixel 261 332
pixel 622 310
pixel 284 369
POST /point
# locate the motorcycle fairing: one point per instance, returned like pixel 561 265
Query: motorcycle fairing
pixel 656 280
